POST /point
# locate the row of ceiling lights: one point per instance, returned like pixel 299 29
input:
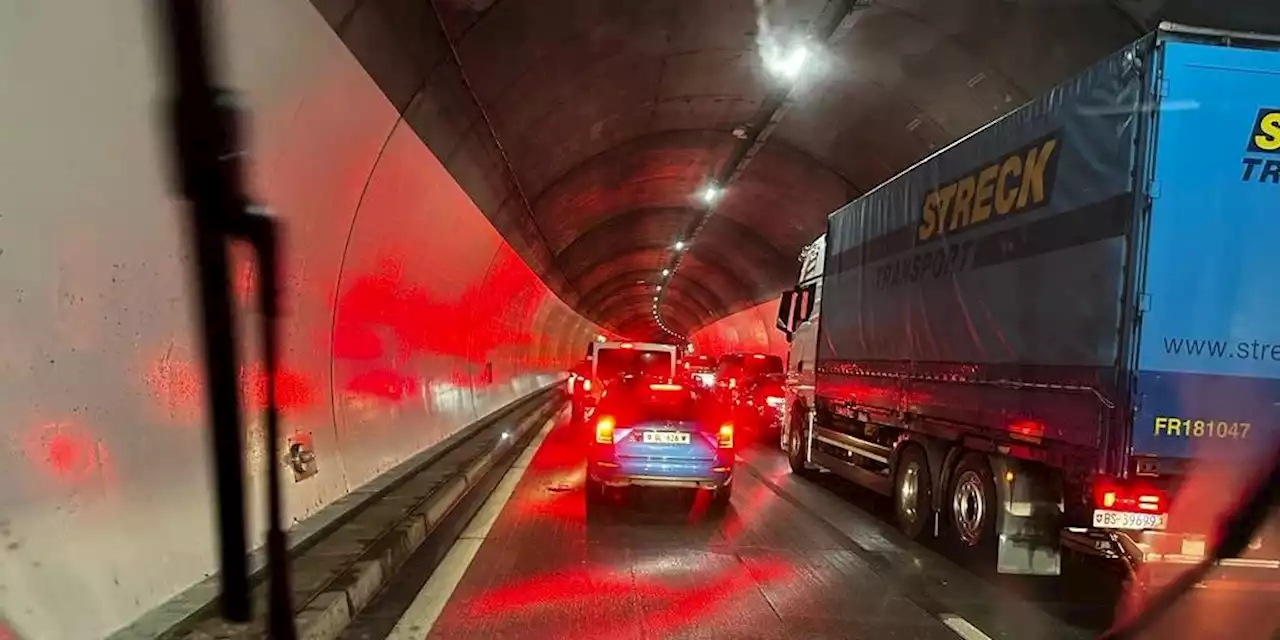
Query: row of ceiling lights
pixel 787 67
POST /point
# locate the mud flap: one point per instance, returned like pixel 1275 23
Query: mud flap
pixel 1028 518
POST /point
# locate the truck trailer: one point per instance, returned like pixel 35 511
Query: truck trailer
pixel 1028 339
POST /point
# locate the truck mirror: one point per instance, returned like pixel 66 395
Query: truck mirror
pixel 785 306
pixel 796 307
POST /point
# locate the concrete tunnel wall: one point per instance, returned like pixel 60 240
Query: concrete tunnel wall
pixel 752 329
pixel 408 316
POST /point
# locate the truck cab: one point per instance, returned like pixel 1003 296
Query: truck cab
pixel 798 315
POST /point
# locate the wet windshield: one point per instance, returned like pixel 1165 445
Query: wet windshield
pixel 295 294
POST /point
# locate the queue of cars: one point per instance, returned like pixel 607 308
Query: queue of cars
pixel 656 420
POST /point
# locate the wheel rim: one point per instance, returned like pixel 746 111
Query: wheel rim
pixel 969 508
pixel 909 492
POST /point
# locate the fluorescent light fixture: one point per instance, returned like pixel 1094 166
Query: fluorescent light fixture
pixel 788 64
pixel 711 194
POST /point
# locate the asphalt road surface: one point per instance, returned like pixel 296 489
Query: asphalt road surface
pixel 790 558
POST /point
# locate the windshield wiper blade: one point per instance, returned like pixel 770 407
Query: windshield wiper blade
pixel 208 173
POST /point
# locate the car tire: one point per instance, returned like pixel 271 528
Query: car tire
pixel 576 413
pixel 594 490
pixel 970 506
pixel 913 493
pixel 720 498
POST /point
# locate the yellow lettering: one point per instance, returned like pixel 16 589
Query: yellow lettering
pixel 1161 423
pixel 1174 426
pixel 1033 174
pixel 945 195
pixel 964 200
pixel 1007 194
pixel 1268 138
pixel 982 197
pixel 928 216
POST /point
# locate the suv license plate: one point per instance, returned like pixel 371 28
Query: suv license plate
pixel 665 437
pixel 1104 519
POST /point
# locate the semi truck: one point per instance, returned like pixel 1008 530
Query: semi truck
pixel 1030 338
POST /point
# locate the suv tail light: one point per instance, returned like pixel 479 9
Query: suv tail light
pixel 1130 497
pixel 724 439
pixel 604 429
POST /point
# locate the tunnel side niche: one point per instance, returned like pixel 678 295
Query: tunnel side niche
pixel 408 317
pixel 749 330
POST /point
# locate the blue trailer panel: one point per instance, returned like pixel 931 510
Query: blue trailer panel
pixel 1209 356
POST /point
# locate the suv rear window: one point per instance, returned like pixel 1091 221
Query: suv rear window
pixel 741 365
pixel 633 401
pixel 611 363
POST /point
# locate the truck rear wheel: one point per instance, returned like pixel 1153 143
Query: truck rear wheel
pixel 913 493
pixel 796 448
pixel 971 507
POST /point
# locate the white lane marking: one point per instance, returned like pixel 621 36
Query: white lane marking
pixel 963 628
pixel 426 607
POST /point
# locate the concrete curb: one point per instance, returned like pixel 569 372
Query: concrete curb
pixel 346 569
pixel 332 610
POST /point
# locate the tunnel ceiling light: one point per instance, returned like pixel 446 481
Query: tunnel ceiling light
pixel 666 272
pixel 787 63
pixel 711 194
pixel 679 245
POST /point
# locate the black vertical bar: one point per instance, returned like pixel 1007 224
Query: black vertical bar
pixel 208 176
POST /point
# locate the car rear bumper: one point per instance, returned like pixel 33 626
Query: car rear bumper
pixel 665 473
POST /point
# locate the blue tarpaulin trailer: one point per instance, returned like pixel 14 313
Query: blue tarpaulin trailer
pixel 1040 327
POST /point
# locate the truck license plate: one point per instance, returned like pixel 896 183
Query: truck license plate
pixel 1104 519
pixel 665 437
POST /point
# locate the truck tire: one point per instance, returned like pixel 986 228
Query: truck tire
pixel 971 505
pixel 576 416
pixel 913 493
pixel 795 449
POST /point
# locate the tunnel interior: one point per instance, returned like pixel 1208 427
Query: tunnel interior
pixel 590 132
pixel 473 190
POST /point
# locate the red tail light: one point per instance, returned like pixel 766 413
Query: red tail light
pixel 733 383
pixel 725 437
pixel 586 385
pixel 665 387
pixel 604 429
pixel 1114 495
pixel 628 345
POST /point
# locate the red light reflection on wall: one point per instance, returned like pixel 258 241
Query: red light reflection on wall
pixel 64 450
pixel 293 391
pixel 384 314
pixel 175 385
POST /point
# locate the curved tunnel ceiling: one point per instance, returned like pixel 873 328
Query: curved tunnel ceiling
pixel 586 129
